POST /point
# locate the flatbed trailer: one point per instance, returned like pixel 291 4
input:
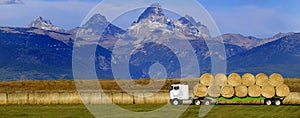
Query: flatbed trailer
pixel 179 94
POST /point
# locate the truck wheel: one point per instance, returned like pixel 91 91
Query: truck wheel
pixel 175 102
pixel 268 102
pixel 197 102
pixel 206 102
pixel 277 102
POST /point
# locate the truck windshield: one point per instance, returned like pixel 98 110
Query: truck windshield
pixel 171 88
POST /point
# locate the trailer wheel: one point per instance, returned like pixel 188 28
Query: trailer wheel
pixel 268 102
pixel 197 102
pixel 277 102
pixel 175 102
pixel 206 102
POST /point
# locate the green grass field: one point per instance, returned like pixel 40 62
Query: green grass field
pixel 79 111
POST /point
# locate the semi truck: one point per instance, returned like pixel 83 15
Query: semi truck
pixel 179 94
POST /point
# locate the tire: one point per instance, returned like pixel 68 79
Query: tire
pixel 206 102
pixel 268 102
pixel 175 102
pixel 277 102
pixel 197 102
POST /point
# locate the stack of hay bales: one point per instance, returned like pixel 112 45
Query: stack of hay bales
pixel 275 87
pixel 208 86
pixel 241 86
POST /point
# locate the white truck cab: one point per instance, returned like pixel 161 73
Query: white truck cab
pixel 179 94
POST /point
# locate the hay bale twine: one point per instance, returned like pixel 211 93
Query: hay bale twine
pixel 276 79
pixel 206 79
pixel 282 90
pixel 292 98
pixel 200 90
pixel 261 79
pixel 248 79
pixel 221 79
pixel 234 79
pixel 268 90
pixel 254 91
pixel 127 98
pixel 3 99
pixel 227 91
pixel 214 91
pixel 241 91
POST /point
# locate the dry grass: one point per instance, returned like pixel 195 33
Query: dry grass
pixel 218 111
pixel 293 83
pixel 109 85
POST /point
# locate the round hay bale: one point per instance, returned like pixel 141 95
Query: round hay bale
pixel 161 98
pixel 138 98
pixel 206 79
pixel 268 90
pixel 149 99
pixel 127 98
pixel 221 79
pixel 261 79
pixel 93 98
pixel 276 79
pixel 292 98
pixel 117 98
pixel 200 90
pixel 282 90
pixel 106 98
pixel 63 98
pixel 85 98
pixel 42 98
pixel 248 79
pixel 214 91
pixel 54 98
pixel 3 99
pixel 68 98
pixel 254 91
pixel 241 91
pixel 227 91
pixel 31 98
pixel 17 98
pixel 234 79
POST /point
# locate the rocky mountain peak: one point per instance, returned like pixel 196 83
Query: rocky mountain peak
pixel 96 21
pixel 154 13
pixel 189 20
pixel 44 24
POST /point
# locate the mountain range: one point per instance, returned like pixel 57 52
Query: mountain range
pixel 42 50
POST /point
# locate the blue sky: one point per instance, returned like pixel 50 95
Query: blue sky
pixel 261 18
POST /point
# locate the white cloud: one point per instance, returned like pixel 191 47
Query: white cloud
pixel 5 2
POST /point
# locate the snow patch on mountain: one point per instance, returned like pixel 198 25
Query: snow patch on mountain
pixel 44 24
